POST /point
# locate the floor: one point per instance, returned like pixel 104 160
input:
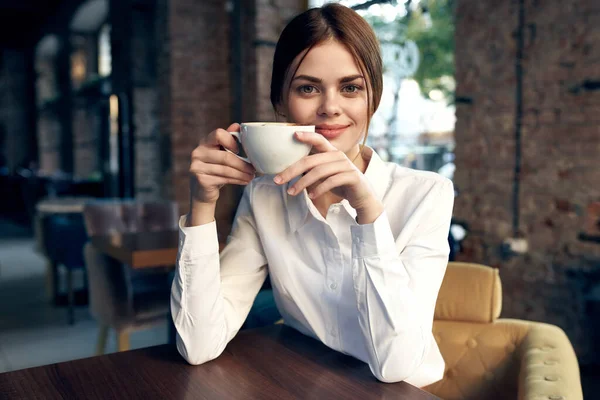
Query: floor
pixel 32 331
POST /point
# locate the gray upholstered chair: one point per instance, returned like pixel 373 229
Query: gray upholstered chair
pixel 122 298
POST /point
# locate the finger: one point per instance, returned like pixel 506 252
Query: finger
pixel 332 182
pixel 322 172
pixel 235 127
pixel 306 164
pixel 319 143
pixel 226 139
pixel 215 156
pixel 212 138
pixel 224 171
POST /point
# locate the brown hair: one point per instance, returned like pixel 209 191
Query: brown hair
pixel 317 25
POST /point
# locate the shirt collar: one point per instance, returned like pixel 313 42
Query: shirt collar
pixel 298 207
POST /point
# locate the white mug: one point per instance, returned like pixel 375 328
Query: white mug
pixel 271 146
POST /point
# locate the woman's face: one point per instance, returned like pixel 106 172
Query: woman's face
pixel 329 91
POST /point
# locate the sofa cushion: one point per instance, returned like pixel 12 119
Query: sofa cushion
pixel 482 361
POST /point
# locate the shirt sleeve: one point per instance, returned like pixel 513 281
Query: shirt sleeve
pixel 397 280
pixel 212 294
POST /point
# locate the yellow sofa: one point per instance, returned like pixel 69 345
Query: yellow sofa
pixel 489 358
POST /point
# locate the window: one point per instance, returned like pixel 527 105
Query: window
pixel 104 52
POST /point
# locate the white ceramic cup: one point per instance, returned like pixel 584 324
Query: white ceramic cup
pixel 271 146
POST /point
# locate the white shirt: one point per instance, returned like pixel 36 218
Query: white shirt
pixel 364 290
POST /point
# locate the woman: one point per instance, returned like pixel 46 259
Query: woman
pixel 356 248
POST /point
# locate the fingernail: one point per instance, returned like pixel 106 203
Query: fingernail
pixel 299 134
pixel 311 195
pixel 291 191
pixel 277 179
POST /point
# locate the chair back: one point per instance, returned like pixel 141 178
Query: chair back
pixel 469 293
pixel 125 216
pixel 479 352
pixel 491 358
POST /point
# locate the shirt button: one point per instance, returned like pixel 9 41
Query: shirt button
pixel 333 286
pixel 333 332
pixel 357 240
pixel 335 209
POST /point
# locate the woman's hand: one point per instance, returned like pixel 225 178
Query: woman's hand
pixel 212 167
pixel 329 169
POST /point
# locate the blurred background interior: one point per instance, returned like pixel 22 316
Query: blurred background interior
pixel 102 102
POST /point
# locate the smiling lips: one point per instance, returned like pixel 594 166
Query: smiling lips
pixel 330 131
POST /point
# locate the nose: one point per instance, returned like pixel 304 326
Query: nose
pixel 330 105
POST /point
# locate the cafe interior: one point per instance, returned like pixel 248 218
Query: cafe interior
pixel 103 101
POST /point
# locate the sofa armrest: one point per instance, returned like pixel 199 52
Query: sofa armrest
pixel 549 366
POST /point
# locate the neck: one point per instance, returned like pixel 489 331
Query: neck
pixel 356 155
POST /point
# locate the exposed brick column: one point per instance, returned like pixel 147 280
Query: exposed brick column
pixel 148 166
pixel 48 125
pixel 194 78
pixel 271 18
pixel 560 148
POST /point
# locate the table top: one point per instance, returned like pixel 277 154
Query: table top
pixel 268 363
pixel 140 249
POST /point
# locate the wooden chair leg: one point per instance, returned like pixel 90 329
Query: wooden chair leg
pixel 52 281
pixel 51 289
pixel 102 338
pixel 123 341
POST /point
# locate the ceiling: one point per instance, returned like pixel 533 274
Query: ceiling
pixel 21 20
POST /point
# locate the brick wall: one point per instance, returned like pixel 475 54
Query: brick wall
pixel 560 139
pixel 271 18
pixel 48 127
pixel 194 80
pixel 163 85
pixel 86 138
pixel 148 167
pixel 48 142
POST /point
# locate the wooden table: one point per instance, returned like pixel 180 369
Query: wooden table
pixel 268 363
pixel 141 249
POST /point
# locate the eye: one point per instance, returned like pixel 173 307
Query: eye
pixel 352 88
pixel 307 89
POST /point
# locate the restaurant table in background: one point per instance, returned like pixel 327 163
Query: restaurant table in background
pixel 276 362
pixel 140 249
pixel 143 250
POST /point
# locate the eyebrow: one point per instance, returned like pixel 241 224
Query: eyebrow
pixel 345 79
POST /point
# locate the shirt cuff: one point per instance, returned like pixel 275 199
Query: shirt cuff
pixel 374 239
pixel 197 241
